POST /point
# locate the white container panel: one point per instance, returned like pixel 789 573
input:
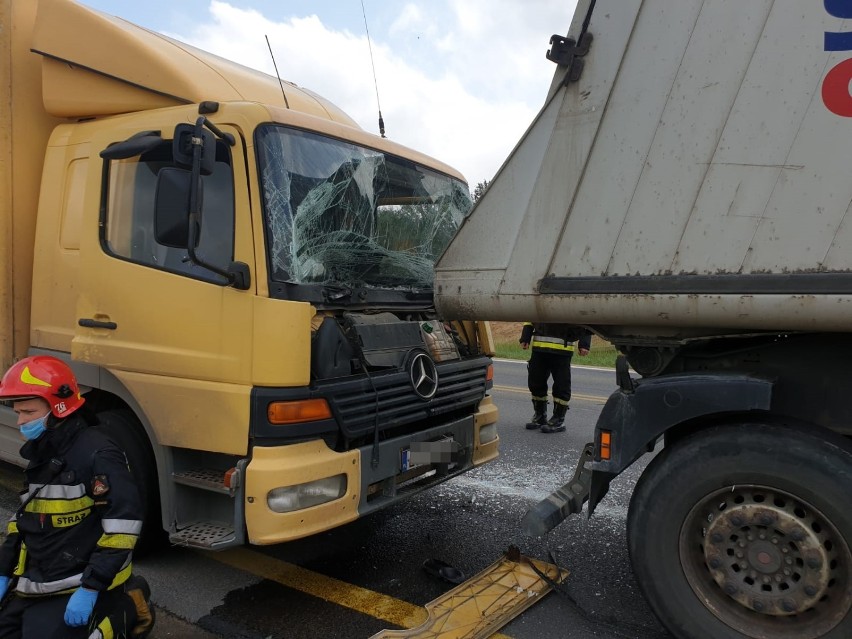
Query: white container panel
pixel 691 125
pixel 645 77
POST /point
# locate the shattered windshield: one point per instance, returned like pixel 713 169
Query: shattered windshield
pixel 337 213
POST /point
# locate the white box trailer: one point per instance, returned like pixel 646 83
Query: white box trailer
pixel 685 192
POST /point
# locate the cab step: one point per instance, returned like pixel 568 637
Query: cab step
pixel 208 535
pixel 206 479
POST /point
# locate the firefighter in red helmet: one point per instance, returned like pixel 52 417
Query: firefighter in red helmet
pixel 65 566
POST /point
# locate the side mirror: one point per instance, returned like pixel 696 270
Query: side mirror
pixel 182 147
pixel 171 207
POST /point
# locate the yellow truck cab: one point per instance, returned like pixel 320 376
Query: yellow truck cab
pixel 239 274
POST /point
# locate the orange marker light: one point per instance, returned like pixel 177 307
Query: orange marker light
pixel 298 412
pixel 489 374
pixel 606 444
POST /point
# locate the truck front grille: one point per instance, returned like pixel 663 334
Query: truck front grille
pixel 390 399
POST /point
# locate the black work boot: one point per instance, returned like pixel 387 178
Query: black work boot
pixel 556 424
pixel 539 418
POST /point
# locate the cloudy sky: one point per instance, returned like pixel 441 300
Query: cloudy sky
pixel 458 79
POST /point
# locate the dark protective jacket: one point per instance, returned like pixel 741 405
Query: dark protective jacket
pixel 83 522
pixel 555 338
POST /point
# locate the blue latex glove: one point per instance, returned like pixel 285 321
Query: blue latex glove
pixel 80 606
pixel 4 586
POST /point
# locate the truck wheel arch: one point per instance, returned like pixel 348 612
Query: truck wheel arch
pixel 107 396
pixel 671 404
pixel 127 432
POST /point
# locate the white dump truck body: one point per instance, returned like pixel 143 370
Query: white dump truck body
pixel 685 192
pixel 694 181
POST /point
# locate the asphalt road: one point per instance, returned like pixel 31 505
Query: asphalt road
pixel 363 577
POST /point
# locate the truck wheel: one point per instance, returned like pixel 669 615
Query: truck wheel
pixel 126 431
pixel 745 532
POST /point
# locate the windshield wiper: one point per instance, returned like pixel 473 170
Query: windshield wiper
pixel 335 293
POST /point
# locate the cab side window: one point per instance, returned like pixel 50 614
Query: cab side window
pixel 129 229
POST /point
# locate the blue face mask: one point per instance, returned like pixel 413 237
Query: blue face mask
pixel 34 429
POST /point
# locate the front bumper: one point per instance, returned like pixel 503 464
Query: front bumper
pixel 370 485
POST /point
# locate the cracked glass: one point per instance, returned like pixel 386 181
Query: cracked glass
pixel 342 214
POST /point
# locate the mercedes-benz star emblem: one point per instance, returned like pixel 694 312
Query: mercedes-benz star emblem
pixel 423 375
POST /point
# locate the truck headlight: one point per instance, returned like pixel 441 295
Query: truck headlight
pixel 487 433
pixel 285 499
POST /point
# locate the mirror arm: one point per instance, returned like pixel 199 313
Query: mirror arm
pixel 227 137
pixel 195 207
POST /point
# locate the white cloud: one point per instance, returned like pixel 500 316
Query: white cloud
pixel 460 84
pixel 411 21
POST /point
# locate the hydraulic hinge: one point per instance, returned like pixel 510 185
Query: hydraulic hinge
pixel 567 52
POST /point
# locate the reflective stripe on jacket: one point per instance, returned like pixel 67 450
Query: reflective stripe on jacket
pixel 552 343
pixel 80 524
pixel 555 338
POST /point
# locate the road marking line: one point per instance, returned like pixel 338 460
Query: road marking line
pixel 374 604
pixel 517 389
pixel 605 369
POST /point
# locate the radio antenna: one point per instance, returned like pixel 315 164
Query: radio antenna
pixel 281 84
pixel 373 64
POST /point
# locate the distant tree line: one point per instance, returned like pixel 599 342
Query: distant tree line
pixel 479 190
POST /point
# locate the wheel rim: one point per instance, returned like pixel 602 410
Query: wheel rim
pixel 766 563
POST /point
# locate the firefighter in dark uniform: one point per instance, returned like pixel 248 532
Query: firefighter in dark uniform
pixel 65 565
pixel 552 349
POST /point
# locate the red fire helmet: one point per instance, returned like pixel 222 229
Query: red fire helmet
pixel 46 377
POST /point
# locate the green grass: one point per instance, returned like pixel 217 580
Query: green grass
pixel 601 354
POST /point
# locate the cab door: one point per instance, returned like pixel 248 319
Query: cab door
pixel 174 333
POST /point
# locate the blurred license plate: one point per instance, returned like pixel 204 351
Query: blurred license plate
pixel 443 451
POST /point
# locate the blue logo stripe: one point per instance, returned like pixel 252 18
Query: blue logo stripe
pixel 839 8
pixel 838 41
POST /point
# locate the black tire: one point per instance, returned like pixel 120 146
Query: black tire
pixel 126 431
pixel 744 532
